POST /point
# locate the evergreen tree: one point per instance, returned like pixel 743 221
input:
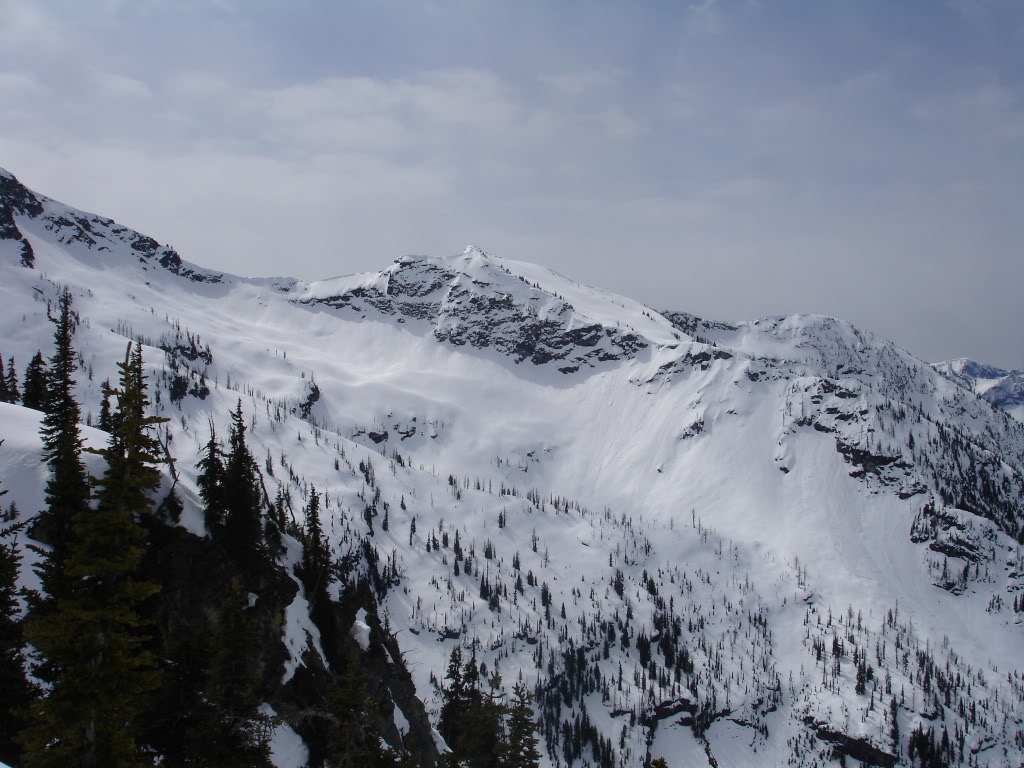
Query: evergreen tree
pixel 185 722
pixel 94 640
pixel 471 721
pixel 170 508
pixel 33 390
pixel 521 743
pixel 240 735
pixel 5 396
pixel 211 485
pixel 214 659
pixel 243 528
pixel 454 696
pixel 315 557
pixel 11 382
pixel 67 491
pixel 485 738
pixel 355 741
pixel 15 691
pixel 104 422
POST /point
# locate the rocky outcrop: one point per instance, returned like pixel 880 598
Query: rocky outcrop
pixel 16 199
pixel 858 748
pixel 486 308
pixel 73 227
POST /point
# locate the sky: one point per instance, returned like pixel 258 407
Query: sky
pixel 731 159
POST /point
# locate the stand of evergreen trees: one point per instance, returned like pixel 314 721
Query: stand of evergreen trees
pixel 480 728
pixel 91 631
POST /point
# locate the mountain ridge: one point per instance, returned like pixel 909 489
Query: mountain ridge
pixel 788 466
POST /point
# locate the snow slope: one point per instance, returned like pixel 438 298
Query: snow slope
pixel 766 489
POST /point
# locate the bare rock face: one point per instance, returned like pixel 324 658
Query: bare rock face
pixel 16 199
pixel 475 302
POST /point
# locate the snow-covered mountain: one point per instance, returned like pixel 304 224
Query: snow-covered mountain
pixel 784 541
pixel 1003 388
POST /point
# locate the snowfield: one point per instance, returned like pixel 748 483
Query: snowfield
pixel 691 537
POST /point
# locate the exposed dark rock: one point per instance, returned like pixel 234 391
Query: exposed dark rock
pixel 306 406
pixel 479 314
pixel 692 325
pixel 15 199
pixel 145 244
pixel 858 749
pixel 866 461
pixel 28 256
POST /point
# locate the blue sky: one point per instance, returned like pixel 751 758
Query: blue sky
pixel 732 159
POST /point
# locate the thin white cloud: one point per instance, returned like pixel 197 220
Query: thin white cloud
pixel 121 86
pixel 591 82
pixel 705 17
pixel 986 105
pixel 28 28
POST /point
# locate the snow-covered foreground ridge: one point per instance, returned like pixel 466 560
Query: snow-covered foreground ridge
pixel 766 543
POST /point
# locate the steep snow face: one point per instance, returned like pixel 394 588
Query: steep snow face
pixel 735 517
pixel 1004 389
pixel 889 411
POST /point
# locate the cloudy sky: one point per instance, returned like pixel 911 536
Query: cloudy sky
pixel 733 159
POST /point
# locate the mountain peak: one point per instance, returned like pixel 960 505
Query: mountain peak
pixel 475 250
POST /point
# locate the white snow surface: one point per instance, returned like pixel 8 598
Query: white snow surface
pixel 300 632
pixel 401 721
pixel 287 749
pixel 706 471
pixel 361 630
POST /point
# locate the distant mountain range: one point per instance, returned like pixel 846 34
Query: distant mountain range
pixel 1003 388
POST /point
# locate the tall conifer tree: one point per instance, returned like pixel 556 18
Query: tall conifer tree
pixel 5 396
pixel 11 382
pixel 521 743
pixel 104 419
pixel 67 491
pixel 315 558
pixel 241 735
pixel 211 484
pixel 243 527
